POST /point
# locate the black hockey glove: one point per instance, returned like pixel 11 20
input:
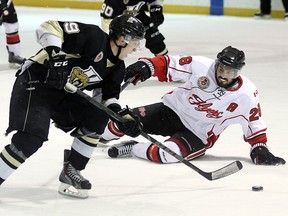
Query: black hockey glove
pixel 57 74
pixel 140 70
pixel 260 155
pixel 156 15
pixel 132 126
pixel 3 11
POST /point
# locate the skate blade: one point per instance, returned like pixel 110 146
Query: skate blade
pixel 65 189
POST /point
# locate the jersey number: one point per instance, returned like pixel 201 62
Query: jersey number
pixel 106 10
pixel 71 27
pixel 185 60
pixel 255 113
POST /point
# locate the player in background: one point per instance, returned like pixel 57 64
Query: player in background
pixel 154 39
pixel 90 59
pixel 195 114
pixel 8 18
pixel 265 9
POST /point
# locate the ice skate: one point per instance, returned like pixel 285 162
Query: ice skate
pixel 72 182
pixel 15 61
pixel 261 15
pixel 122 149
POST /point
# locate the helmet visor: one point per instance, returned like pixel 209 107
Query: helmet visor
pixel 135 43
pixel 227 72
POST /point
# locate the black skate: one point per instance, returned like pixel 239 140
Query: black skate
pixel 70 177
pixel 15 61
pixel 261 15
pixel 123 149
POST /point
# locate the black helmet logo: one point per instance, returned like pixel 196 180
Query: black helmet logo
pixel 127 26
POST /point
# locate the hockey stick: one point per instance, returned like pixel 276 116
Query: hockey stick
pixel 75 133
pixel 217 174
pixel 130 80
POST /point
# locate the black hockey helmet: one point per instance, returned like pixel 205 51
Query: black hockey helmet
pixel 231 57
pixel 127 26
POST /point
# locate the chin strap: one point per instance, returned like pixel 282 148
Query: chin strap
pixel 119 48
pixel 119 51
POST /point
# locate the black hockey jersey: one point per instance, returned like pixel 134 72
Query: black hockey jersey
pixel 91 62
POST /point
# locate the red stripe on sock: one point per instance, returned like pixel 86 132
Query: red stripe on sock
pixel 153 153
pixel 181 146
pixel 114 130
pixel 12 38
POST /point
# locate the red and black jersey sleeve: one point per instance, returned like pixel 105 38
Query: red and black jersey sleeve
pixel 160 65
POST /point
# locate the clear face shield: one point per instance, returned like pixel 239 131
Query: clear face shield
pixel 227 72
pixel 226 75
pixel 135 43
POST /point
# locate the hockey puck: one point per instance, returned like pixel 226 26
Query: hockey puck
pixel 257 188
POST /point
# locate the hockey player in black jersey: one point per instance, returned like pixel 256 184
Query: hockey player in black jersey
pixel 90 59
pixel 154 39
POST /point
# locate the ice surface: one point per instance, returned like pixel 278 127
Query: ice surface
pixel 136 187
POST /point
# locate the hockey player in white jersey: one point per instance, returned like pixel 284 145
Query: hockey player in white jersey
pixel 195 114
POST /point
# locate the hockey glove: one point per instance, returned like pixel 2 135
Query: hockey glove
pixel 57 74
pixel 260 155
pixel 156 15
pixel 132 126
pixel 3 11
pixel 140 70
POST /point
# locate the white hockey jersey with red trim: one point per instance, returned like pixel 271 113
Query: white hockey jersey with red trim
pixel 207 109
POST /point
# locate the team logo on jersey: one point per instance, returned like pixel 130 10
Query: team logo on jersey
pixel 83 77
pixel 203 82
pixel 99 57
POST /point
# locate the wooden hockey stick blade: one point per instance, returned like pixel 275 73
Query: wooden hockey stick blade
pixel 217 174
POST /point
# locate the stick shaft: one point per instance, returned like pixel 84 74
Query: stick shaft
pixel 128 82
pixel 220 173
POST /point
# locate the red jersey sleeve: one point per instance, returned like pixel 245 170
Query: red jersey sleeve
pixel 160 65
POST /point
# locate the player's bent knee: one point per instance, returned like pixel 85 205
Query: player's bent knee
pixel 27 143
